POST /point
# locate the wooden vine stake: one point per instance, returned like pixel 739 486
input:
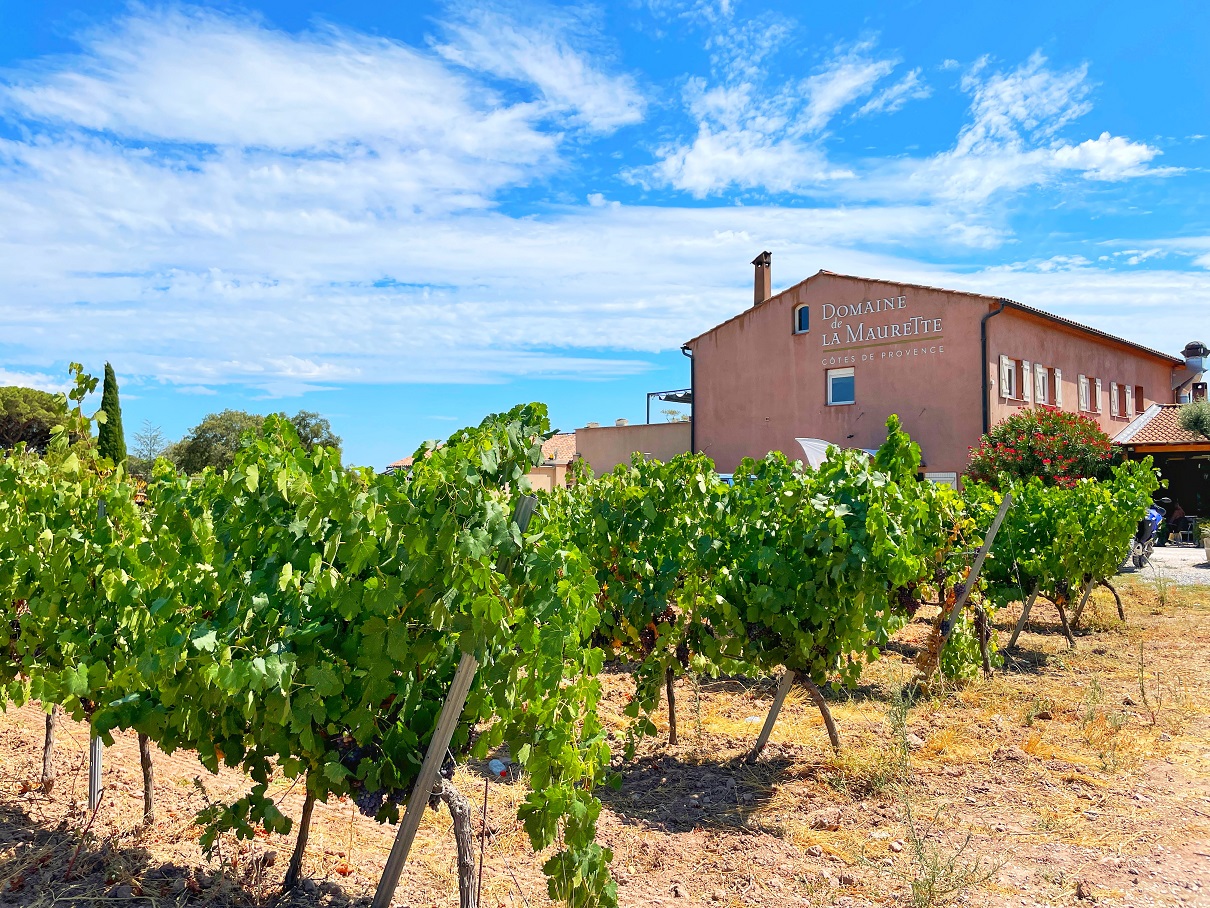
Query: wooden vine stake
pixel 48 749
pixel 1029 603
pixel 930 657
pixel 434 756
pixel 1079 610
pixel 783 688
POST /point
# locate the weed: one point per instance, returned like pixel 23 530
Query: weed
pixel 1143 688
pixel 937 872
pixel 940 873
pixel 1036 707
pixel 1161 583
pixel 1092 700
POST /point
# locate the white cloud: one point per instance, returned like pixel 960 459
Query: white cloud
pixel 894 97
pixel 206 201
pixel 846 78
pixel 545 56
pixel 752 135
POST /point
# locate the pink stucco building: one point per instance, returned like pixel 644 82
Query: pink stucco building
pixel 833 356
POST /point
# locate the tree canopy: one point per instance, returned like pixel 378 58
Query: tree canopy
pixel 1195 417
pixel 214 441
pixel 28 415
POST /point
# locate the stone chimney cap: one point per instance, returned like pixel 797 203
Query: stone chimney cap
pixel 621 422
pixel 765 259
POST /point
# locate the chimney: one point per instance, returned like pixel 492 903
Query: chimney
pixel 620 422
pixel 593 425
pixel 762 286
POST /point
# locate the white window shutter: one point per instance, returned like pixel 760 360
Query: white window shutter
pixel 1058 387
pixel 1096 404
pixel 1129 401
pixel 1113 399
pixel 1026 381
pixel 1085 399
pixel 1006 381
pixel 1039 383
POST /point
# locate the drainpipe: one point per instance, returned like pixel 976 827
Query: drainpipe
pixel 983 366
pixel 685 351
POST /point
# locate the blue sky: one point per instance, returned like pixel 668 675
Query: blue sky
pixel 407 215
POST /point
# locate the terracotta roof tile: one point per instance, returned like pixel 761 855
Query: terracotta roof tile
pixel 1159 424
pixel 560 448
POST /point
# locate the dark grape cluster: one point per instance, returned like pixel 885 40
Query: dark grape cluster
pixel 682 654
pixel 906 597
pixel 959 589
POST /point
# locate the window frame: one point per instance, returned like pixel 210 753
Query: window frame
pixel 846 372
pixel 804 307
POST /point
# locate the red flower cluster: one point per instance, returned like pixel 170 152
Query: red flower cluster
pixel 1057 446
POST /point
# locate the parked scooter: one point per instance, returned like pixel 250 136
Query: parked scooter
pixel 1144 537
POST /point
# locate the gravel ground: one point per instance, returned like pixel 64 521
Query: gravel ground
pixel 1183 565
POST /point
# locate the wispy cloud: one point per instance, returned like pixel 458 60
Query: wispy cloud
pixel 753 134
pixel 545 53
pixel 910 88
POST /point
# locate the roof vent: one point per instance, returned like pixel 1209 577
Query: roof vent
pixel 621 422
pixel 593 425
pixel 1195 354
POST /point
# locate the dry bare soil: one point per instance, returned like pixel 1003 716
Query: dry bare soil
pixel 1073 777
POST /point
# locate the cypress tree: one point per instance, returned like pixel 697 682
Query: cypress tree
pixel 111 441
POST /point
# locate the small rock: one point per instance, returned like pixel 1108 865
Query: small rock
pixel 999 827
pixel 1010 754
pixel 915 742
pixel 270 858
pixel 179 885
pixel 1164 736
pixel 1084 891
pixel 679 891
pixel 1128 701
pixel 815 851
pixel 717 895
pixel 880 835
pixel 897 846
pixel 1044 714
pixel 887 862
pixel 309 886
pixel 824 818
pixel 846 879
pixel 121 892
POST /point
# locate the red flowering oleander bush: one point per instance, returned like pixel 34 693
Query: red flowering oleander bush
pixel 1056 446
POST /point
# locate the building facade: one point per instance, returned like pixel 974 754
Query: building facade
pixel 835 355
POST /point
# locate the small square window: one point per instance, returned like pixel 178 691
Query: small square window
pixel 802 319
pixel 841 387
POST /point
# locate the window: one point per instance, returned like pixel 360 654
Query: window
pixel 1048 385
pixel 1139 404
pixel 1008 377
pixel 802 319
pixel 841 387
pixel 1041 384
pixel 1016 379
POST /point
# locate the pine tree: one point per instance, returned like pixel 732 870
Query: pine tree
pixel 111 442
